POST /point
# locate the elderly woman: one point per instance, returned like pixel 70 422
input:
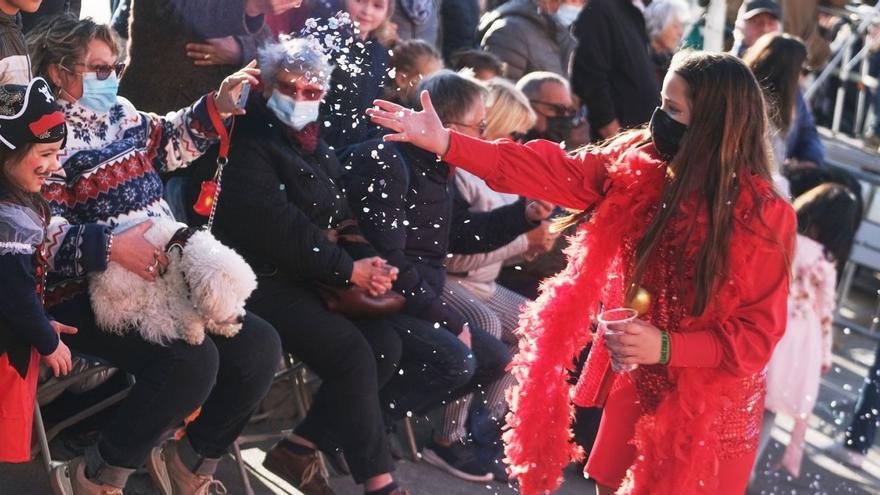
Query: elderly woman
pixel 283 210
pixel 112 161
pixel 665 21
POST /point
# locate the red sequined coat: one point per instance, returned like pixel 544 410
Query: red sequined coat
pixel 705 406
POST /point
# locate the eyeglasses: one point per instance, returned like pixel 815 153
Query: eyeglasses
pixel 558 110
pixel 102 71
pixel 480 127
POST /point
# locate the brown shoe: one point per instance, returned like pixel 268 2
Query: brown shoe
pixel 302 471
pixel 172 477
pixel 70 479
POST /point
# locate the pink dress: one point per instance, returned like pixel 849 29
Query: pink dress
pixel 796 366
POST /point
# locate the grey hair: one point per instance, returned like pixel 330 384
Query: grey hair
pixel 531 83
pixel 451 93
pixel 302 56
pixel 660 13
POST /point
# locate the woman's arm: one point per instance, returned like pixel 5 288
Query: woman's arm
pixel 20 308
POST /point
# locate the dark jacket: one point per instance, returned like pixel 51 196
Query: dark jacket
pixel 803 141
pixel 460 19
pixel 277 202
pixel 350 95
pixel 612 71
pixel 160 77
pixel 526 39
pixel 409 209
pixel 15 66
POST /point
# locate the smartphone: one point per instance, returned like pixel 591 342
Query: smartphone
pixel 242 98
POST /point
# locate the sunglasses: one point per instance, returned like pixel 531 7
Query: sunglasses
pixel 102 71
pixel 481 126
pixel 558 110
pixel 307 93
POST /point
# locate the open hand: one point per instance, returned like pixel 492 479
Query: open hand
pixel 60 360
pixel 423 129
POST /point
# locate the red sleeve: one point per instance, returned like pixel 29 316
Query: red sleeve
pixel 742 345
pixel 538 169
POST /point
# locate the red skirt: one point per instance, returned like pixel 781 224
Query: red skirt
pixel 17 409
pixel 613 454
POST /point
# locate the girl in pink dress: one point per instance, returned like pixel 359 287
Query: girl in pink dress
pixel 828 216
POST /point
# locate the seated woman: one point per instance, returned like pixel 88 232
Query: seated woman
pixel 470 286
pixel 112 161
pixel 284 212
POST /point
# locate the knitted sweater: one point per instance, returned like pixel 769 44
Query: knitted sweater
pixel 112 162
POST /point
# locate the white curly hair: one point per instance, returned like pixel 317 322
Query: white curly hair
pixel 303 56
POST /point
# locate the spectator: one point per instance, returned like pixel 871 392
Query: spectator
pixel 356 83
pixel 102 208
pixel 193 44
pixel 417 19
pixel 568 12
pixel 410 210
pixel 470 287
pixel 15 66
pixel 281 191
pixel 47 8
pixel 550 97
pixel 28 335
pixel 459 19
pixel 755 19
pixel 665 21
pixel 411 61
pixel 777 59
pixel 612 71
pixel 485 65
pixel 527 37
pixel 828 217
pixel 862 430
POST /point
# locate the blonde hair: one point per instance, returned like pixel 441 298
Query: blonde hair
pixel 507 110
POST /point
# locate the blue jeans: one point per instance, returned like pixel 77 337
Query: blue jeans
pixel 863 430
pixel 437 367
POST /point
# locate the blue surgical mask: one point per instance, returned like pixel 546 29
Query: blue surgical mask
pixel 296 114
pixel 567 14
pixel 98 95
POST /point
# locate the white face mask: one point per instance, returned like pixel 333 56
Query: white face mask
pixel 567 14
pixel 296 114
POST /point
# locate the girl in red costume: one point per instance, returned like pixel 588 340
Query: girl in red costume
pixel 680 220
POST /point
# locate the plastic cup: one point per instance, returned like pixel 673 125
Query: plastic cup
pixel 617 315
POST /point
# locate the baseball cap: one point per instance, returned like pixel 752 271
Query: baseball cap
pixel 751 8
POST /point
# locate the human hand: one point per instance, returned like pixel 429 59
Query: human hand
pixel 540 238
pixel 215 51
pixel 537 210
pixel 422 129
pixel 639 343
pixel 132 250
pixel 230 89
pixel 253 8
pixel 60 360
pixel 373 275
pixel 609 129
pixel 465 335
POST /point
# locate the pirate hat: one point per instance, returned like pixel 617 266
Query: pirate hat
pixel 29 114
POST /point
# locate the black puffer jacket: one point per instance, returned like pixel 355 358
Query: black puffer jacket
pixel 409 209
pixel 277 202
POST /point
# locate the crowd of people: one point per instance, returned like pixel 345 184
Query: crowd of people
pixel 437 200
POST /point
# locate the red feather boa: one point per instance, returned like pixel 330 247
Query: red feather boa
pixel 677 447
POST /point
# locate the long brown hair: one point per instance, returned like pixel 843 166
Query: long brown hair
pixel 726 139
pixel 777 59
pixel 12 192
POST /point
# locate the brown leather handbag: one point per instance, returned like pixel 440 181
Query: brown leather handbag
pixel 356 302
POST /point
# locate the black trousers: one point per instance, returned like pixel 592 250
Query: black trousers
pixel 228 377
pixel 344 354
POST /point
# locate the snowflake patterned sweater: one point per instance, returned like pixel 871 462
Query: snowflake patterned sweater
pixel 112 162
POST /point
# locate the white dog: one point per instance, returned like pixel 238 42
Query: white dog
pixel 204 289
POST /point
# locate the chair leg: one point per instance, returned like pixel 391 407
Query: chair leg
pixel 45 454
pixel 242 469
pixel 411 438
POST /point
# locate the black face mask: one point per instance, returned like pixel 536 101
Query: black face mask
pixel 666 133
pixel 558 129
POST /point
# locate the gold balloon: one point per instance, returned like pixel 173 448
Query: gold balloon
pixel 642 301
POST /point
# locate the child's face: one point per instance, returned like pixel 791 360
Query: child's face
pixel 31 172
pixel 368 14
pixel 13 6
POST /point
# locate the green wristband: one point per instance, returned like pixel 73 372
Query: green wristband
pixel 664 347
